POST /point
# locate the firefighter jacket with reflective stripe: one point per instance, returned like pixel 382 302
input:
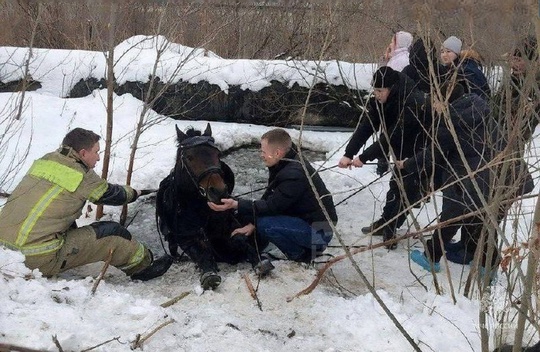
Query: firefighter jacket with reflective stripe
pixel 48 200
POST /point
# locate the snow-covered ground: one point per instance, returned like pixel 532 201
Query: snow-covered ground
pixel 339 315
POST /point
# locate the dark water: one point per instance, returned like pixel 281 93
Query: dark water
pixel 249 170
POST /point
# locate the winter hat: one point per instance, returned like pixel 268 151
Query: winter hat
pixel 453 44
pixel 527 47
pixel 403 39
pixel 385 77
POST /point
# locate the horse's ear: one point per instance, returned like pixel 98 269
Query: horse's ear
pixel 208 131
pixel 180 136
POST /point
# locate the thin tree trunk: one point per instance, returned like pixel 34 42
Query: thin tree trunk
pixel 532 263
pixel 26 77
pixel 110 93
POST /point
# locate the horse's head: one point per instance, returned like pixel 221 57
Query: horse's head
pixel 198 158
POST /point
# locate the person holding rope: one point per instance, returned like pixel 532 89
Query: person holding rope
pixel 460 151
pixel 402 114
pixel 39 217
pixel 289 213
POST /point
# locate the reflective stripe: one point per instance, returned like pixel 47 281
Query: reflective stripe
pixel 98 192
pixel 43 248
pixel 35 213
pixel 59 174
pixel 136 259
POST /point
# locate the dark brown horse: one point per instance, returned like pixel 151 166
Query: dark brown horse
pixel 182 211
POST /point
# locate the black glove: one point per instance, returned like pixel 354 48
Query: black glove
pixel 142 192
pixel 382 166
pixel 145 192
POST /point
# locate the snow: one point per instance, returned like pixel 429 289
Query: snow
pixel 339 315
pixel 60 70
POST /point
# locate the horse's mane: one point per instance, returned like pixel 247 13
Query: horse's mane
pixel 191 132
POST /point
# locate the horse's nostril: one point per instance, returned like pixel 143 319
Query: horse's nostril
pixel 215 195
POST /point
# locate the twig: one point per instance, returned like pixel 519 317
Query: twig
pixel 334 260
pixel 101 344
pixel 55 340
pixel 174 300
pixel 140 340
pixel 252 291
pixel 5 347
pixel 103 271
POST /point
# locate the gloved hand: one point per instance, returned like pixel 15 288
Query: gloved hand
pixel 382 166
pixel 144 192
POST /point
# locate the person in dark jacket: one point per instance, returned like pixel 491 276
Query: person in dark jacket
pixel 464 67
pixel 515 115
pixel 288 214
pixel 402 114
pixel 459 149
pixel 419 67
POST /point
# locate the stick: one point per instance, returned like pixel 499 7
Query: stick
pixel 103 270
pixel 334 260
pixel 57 343
pixel 4 347
pixel 252 291
pixel 101 344
pixel 139 341
pixel 174 300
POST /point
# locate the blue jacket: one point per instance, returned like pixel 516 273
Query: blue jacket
pixel 472 78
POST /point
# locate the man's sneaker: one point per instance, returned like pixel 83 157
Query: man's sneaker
pixel 454 246
pixel 210 280
pixel 264 267
pixel 156 269
pixel 369 229
pixel 420 259
pixel 461 256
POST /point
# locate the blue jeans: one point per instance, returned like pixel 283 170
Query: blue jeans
pixel 297 239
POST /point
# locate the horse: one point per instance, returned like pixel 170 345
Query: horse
pixel 182 213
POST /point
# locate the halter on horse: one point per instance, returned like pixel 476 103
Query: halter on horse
pixel 198 158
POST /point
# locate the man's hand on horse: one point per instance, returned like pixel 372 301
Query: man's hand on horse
pixel 246 230
pixel 227 203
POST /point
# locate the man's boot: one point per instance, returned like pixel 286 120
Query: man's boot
pixel 369 229
pixel 156 269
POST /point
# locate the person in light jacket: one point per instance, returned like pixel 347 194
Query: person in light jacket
pixel 39 218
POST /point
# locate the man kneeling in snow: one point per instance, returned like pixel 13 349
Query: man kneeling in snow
pixel 39 217
pixel 288 214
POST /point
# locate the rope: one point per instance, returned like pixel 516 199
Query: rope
pixel 361 188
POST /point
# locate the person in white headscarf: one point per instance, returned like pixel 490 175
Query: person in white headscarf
pixel 397 53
